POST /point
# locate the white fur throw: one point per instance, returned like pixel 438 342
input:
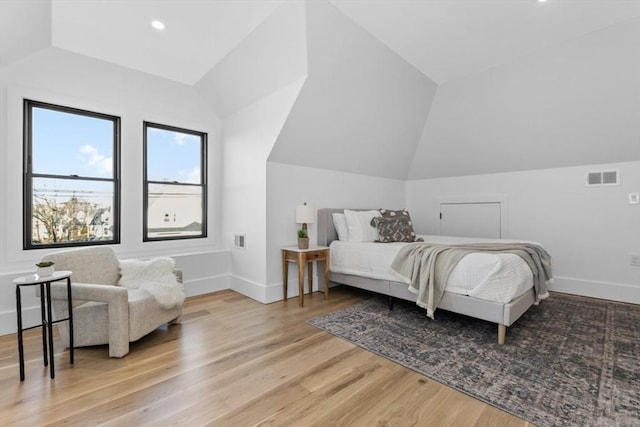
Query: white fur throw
pixel 154 276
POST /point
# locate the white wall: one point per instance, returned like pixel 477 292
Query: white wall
pixel 254 88
pixel 259 197
pixel 589 231
pixel 60 77
pixel 249 135
pixel 289 186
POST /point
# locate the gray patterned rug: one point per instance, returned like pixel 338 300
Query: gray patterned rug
pixel 570 361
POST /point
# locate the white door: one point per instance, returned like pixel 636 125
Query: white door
pixel 470 219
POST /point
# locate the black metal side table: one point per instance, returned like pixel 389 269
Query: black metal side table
pixel 47 315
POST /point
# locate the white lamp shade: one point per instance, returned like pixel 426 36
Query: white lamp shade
pixel 304 214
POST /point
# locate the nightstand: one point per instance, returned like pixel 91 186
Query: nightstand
pixel 304 257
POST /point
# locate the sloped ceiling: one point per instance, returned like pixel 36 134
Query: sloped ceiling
pixel 447 40
pixel 271 57
pixel 573 104
pixel 443 39
pixel 362 108
pixel 25 28
pixel 372 71
pixel 197 36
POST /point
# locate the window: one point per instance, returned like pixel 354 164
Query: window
pixel 175 187
pixel 71 177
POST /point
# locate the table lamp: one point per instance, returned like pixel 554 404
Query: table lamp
pixel 304 215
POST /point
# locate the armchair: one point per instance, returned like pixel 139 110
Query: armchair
pixel 104 312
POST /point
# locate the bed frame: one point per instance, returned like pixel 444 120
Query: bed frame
pixel 502 314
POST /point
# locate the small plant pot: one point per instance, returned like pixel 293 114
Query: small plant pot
pixel 303 243
pixel 45 271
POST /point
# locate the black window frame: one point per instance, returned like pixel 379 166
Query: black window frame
pixel 146 182
pixel 28 175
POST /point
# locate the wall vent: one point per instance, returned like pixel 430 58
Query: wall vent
pixel 599 178
pixel 239 240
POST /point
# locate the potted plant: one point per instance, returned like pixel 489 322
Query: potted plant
pixel 45 268
pixel 303 239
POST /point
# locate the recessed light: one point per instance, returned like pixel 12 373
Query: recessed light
pixel 158 25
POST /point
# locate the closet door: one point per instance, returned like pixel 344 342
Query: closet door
pixel 470 219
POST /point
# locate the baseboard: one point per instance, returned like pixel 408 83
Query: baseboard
pixel 274 292
pixel 9 322
pixel 206 285
pixel 270 293
pixel 248 288
pixel 604 290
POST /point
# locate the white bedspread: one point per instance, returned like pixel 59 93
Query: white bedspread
pixel 492 277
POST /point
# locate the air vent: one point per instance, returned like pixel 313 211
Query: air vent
pixel 610 177
pixel 239 240
pixel 600 178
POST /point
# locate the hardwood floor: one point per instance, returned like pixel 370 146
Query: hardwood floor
pixel 233 362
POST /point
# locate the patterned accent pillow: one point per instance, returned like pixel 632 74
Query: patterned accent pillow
pixel 388 213
pixel 396 229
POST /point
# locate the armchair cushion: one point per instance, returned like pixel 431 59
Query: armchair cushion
pixel 97 265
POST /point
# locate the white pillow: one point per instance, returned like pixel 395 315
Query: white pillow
pixel 340 224
pixel 359 225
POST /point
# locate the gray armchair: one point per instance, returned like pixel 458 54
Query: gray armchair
pixel 105 313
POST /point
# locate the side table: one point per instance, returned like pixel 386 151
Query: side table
pixel 47 315
pixel 303 257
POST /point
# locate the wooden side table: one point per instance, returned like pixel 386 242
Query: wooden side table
pixel 47 315
pixel 303 257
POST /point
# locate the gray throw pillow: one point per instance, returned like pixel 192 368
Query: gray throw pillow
pixel 389 213
pixel 396 229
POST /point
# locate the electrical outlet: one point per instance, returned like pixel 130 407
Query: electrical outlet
pixel 240 241
pixel 634 259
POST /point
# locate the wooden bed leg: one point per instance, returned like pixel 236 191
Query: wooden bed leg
pixel 502 333
pixel 390 302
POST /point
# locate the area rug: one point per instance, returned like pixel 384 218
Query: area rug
pixel 570 361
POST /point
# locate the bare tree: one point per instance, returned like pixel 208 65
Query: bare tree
pixel 66 221
pixel 46 211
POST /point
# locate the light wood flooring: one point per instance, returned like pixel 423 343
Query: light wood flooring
pixel 233 362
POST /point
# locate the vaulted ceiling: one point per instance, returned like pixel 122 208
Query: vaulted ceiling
pixel 445 40
pixel 404 89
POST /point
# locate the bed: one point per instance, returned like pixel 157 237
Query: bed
pixel 504 314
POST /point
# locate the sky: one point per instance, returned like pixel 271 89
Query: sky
pixel 72 144
pixel 66 144
pixel 173 156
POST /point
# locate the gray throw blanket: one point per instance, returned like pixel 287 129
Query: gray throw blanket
pixel 427 266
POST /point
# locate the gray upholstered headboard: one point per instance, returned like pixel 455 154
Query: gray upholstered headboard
pixel 326 230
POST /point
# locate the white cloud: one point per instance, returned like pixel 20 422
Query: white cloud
pixel 193 177
pixel 90 156
pixel 183 138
